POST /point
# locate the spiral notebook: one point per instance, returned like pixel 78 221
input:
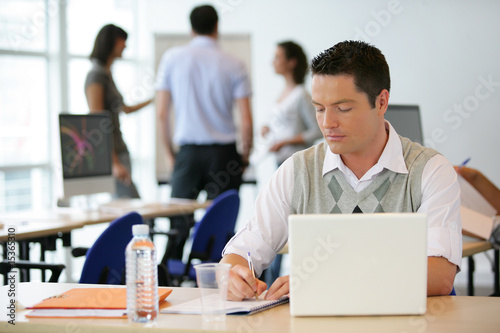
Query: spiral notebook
pixel 248 306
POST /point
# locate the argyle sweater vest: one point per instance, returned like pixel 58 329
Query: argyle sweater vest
pixel 389 192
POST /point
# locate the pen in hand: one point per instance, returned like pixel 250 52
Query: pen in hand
pixel 250 266
pixel 464 163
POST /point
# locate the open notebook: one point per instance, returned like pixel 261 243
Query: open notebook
pixel 246 307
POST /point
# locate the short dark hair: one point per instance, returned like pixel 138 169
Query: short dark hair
pixel 105 42
pixel 203 19
pixel 294 51
pixel 364 62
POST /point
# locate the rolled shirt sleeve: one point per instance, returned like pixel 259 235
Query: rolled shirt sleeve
pixel 441 203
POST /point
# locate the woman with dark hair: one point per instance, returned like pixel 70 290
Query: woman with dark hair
pixel 292 126
pixel 103 96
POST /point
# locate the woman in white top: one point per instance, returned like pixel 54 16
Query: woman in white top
pixel 292 126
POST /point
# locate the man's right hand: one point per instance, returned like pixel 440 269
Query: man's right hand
pixel 242 284
pixel 170 160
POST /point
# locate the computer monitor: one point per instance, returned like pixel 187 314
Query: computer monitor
pixel 406 121
pixel 86 154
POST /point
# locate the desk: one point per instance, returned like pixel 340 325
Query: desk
pixel 449 313
pixel 46 226
pixel 471 247
pixel 33 224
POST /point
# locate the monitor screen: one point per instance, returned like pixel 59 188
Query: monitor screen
pixel 86 153
pixel 406 121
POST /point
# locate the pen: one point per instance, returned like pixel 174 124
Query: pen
pixel 250 266
pixel 464 163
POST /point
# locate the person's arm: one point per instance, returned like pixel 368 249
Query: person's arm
pixel 294 140
pixel 482 184
pixel 440 276
pixel 441 203
pixel 264 235
pixel 129 109
pixel 242 283
pixel 246 127
pixel 163 99
pixel 95 99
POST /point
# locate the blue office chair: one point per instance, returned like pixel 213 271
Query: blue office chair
pixel 105 262
pixel 210 236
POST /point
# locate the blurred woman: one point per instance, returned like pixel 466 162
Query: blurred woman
pixel 103 96
pixel 292 126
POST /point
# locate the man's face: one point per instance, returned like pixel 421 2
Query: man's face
pixel 348 122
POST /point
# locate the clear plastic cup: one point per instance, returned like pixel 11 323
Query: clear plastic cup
pixel 212 280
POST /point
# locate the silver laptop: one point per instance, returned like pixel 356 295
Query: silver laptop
pixel 358 264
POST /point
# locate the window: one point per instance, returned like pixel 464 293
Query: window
pixel 24 115
pixel 44 76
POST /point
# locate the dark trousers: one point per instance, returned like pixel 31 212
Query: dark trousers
pixel 212 168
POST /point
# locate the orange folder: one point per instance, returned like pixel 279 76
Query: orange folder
pixel 88 299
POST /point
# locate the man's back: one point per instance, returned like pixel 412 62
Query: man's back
pixel 204 82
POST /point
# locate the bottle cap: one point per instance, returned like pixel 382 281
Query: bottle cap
pixel 140 229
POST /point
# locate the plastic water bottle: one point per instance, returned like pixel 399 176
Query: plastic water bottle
pixel 141 277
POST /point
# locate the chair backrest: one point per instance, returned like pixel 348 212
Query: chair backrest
pixel 105 262
pixel 216 227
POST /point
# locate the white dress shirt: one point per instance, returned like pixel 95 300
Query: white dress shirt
pixel 267 231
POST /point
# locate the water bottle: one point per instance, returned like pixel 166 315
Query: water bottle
pixel 141 277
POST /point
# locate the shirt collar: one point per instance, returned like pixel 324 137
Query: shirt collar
pixel 201 40
pixel 391 157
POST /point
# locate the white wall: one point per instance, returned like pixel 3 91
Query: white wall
pixel 440 54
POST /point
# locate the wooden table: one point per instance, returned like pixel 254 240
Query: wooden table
pixel 472 247
pixel 46 226
pixel 444 314
pixel 33 224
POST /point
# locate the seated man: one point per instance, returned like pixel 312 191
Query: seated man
pixel 362 167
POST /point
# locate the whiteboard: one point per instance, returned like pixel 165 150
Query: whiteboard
pixel 236 44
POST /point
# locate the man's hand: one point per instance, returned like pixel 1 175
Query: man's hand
pixel 280 287
pixel 242 284
pixel 170 157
